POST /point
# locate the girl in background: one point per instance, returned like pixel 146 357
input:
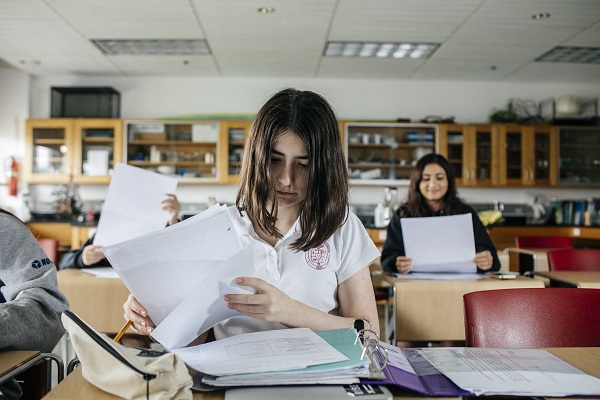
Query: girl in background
pixel 432 193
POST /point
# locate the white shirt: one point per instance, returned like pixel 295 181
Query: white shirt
pixel 311 277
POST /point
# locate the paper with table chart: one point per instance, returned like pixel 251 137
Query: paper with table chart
pixel 285 356
pixel 133 204
pixel 515 372
pixel 440 244
pixel 163 267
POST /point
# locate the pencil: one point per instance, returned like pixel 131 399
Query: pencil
pixel 123 330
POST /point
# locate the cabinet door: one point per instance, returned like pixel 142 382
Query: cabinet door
pixel 453 145
pixel 579 156
pixel 49 151
pixel 98 145
pixel 187 150
pixel 540 145
pixel 385 153
pixel 232 139
pixel 483 168
pixel 512 159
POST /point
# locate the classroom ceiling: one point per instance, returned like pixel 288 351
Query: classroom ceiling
pixel 480 40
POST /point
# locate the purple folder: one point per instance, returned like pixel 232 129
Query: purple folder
pixel 428 380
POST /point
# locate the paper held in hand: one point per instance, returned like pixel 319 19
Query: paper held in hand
pixel 440 244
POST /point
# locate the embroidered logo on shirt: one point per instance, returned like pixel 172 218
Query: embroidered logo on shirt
pixel 40 263
pixel 318 258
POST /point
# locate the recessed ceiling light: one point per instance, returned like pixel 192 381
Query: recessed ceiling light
pixel 572 54
pixel 542 15
pixel 380 50
pixel 152 46
pixel 266 10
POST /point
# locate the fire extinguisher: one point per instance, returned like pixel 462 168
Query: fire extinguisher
pixel 12 176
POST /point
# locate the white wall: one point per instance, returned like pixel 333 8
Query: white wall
pixel 154 97
pixel 14 110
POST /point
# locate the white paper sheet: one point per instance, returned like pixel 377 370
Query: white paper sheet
pixel 204 306
pixel 278 350
pixel 102 272
pixel 440 244
pixel 161 268
pixel 133 204
pixel 516 372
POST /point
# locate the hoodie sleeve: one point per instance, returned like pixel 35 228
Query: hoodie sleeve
pixel 30 314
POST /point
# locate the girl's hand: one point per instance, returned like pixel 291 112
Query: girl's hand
pixel 91 255
pixel 484 260
pixel 267 304
pixel 142 324
pixel 403 264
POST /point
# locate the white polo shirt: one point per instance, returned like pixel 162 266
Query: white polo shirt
pixel 311 277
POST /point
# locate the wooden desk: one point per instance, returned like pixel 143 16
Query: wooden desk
pixel 582 279
pixel 75 386
pixel 98 301
pixel 432 310
pixel 14 362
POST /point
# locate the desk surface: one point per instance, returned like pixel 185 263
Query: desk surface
pixel 75 386
pixel 11 361
pixel 432 310
pixel 98 301
pixel 584 279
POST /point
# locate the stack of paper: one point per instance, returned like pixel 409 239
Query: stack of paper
pixel 280 357
pixel 181 273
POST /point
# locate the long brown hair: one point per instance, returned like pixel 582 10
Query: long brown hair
pixel 415 205
pixel 325 208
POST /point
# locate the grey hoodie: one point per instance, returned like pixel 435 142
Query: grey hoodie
pixel 30 313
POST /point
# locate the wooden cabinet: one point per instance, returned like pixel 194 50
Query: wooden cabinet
pixel 60 150
pixel 385 153
pixel 194 151
pixel 188 150
pixel 501 155
pixel 527 155
pixel 470 151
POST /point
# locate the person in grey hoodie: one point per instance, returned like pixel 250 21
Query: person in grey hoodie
pixel 30 302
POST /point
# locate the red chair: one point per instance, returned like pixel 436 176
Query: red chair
pixel 532 318
pixel 50 247
pixel 574 260
pixel 543 242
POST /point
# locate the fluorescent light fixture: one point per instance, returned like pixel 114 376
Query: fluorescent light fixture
pixel 571 54
pixel 171 47
pixel 380 49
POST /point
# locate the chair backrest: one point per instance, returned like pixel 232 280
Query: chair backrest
pixel 50 247
pixel 532 318
pixel 574 260
pixel 543 242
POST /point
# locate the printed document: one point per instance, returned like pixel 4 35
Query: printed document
pixel 440 244
pixel 260 352
pixel 514 372
pixel 133 204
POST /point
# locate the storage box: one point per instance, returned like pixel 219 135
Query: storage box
pixel 85 102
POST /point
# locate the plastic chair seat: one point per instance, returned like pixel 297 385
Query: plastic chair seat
pixel 532 318
pixel 574 260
